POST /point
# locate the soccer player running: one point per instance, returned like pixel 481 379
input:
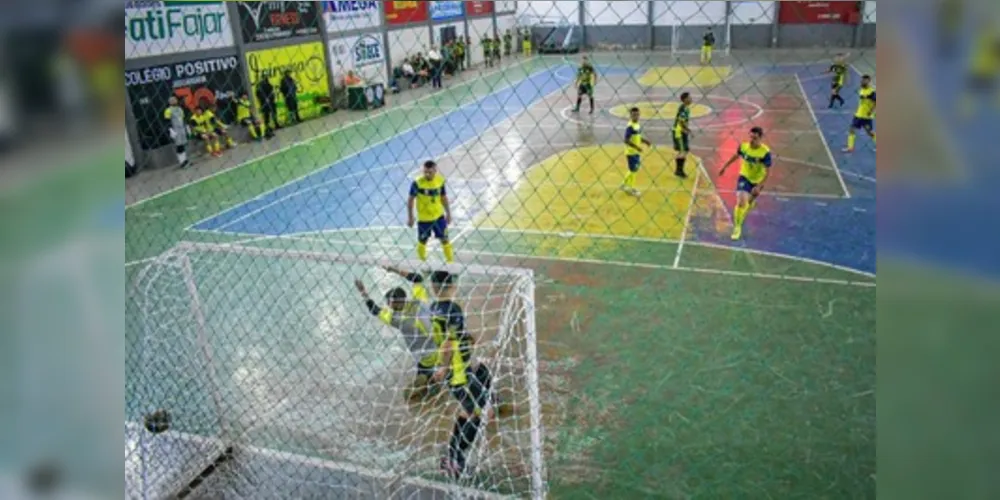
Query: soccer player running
pixel 586 79
pixel 756 164
pixel 707 44
pixel 864 117
pixel 413 319
pixel 430 198
pixel 839 71
pixel 634 141
pixel 682 134
pixel 471 382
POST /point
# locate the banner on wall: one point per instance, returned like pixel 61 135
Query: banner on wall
pixel 202 82
pixel 506 6
pixel 446 11
pixel 478 8
pixel 363 54
pixel 157 28
pixel 397 13
pixel 819 12
pixel 307 62
pixel 346 16
pixel 263 21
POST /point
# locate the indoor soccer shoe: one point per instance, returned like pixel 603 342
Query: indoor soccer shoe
pixel 737 233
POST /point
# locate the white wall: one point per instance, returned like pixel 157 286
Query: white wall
pixel 617 13
pixel 459 30
pixel 129 158
pixel 753 12
pixel 478 28
pixel 689 13
pixel 869 12
pixel 505 23
pixel 407 42
pixel 565 10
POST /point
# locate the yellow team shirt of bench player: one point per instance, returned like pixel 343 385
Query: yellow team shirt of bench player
pixel 866 103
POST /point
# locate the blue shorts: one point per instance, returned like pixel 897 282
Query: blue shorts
pixel 634 162
pixel 865 123
pixel 744 185
pixel 438 228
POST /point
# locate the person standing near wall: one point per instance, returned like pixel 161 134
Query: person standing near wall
pixel 177 128
pixel 290 91
pixel 268 104
pixel 508 43
pixel 434 57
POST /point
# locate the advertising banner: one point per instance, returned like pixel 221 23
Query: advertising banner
pixel 798 12
pixel 263 21
pixel 478 8
pixel 307 62
pixel 446 11
pixel 346 16
pixel 362 54
pixel 202 82
pixel 157 28
pixel 397 13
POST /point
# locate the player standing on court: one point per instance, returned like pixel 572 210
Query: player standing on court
pixel 586 79
pixel 682 134
pixel 754 170
pixel 430 197
pixel 174 115
pixel 864 117
pixel 633 151
pixel 839 71
pixel 707 44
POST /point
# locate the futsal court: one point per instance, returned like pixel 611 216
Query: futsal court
pixel 670 355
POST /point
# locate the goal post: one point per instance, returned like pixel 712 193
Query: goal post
pixel 261 372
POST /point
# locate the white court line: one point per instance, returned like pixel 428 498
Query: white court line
pixel 687 218
pixel 340 128
pixel 822 137
pixel 355 154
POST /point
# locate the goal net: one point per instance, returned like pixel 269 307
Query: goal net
pixel 261 374
pixel 689 39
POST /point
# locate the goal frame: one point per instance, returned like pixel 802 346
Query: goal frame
pixel 180 253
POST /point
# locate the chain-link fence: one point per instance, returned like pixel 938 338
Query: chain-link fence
pixel 500 249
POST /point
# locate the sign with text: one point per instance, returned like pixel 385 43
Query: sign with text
pixel 397 13
pixel 306 62
pixel 202 82
pixel 263 21
pixel 347 16
pixel 446 11
pixel 364 54
pixel 478 8
pixel 797 12
pixel 157 28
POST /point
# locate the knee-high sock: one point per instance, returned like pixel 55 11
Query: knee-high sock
pixel 629 180
pixel 462 437
pixel 591 103
pixel 873 137
pixel 578 101
pixel 422 250
pixel 851 137
pixel 680 163
pixel 449 252
pixel 740 214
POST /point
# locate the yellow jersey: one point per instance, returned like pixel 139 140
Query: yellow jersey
pixel 754 162
pixel 633 138
pixel 986 54
pixel 428 194
pixel 866 103
pixel 242 109
pixel 202 123
pixel 449 326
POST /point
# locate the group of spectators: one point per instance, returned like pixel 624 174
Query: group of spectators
pixel 420 69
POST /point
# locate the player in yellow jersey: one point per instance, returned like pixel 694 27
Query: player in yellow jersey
pixel 864 117
pixel 634 141
pixel 430 198
pixel 246 117
pixel 682 134
pixel 203 126
pixel 755 167
pixel 707 44
pixel 984 69
pixel 839 71
pixel 586 80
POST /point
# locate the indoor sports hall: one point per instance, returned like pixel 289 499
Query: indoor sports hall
pixel 646 353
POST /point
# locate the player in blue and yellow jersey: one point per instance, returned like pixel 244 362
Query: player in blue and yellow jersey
pixel 634 141
pixel 983 78
pixel 839 71
pixel 682 134
pixel 586 79
pixel 413 319
pixel 864 117
pixel 755 167
pixel 707 45
pixel 430 197
pixel 470 381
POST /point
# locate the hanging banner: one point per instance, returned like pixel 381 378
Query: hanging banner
pixel 478 8
pixel 157 28
pixel 798 12
pixel 307 62
pixel 397 13
pixel 347 16
pixel 446 11
pixel 362 54
pixel 263 21
pixel 203 82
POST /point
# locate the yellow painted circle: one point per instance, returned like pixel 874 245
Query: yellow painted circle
pixel 658 110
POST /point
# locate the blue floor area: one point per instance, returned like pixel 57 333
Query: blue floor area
pixel 370 188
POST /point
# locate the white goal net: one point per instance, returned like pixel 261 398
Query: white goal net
pixel 262 374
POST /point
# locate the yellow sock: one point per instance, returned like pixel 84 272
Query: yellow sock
pixel 217 146
pixel 422 251
pixel 449 252
pixel 229 141
pixel 850 140
pixel 739 215
pixel 629 180
pixel 873 137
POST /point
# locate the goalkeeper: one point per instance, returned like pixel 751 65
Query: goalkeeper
pixel 413 320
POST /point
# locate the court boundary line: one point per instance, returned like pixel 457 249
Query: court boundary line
pixel 359 152
pixel 822 136
pixel 687 217
pixel 327 133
